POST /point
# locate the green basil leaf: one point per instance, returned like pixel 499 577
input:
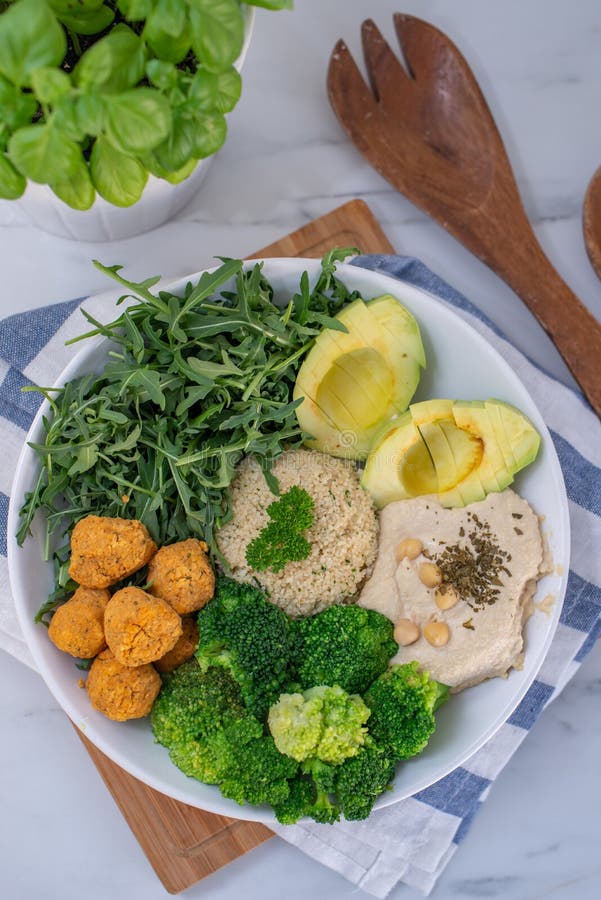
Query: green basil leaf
pixel 218 91
pixel 30 37
pixel 271 4
pixel 50 84
pixel 12 183
pixel 65 119
pixel 68 7
pixel 17 108
pixel 89 22
pixel 115 63
pixel 210 135
pixel 118 178
pixel 135 10
pixel 137 120
pixel 175 151
pixel 162 74
pixel 89 113
pixel 217 32
pixel 167 46
pixel 76 191
pixel 154 167
pixel 43 154
pixel 171 15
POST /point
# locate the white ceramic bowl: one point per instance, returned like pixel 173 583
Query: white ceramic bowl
pixel 460 364
pixel 160 200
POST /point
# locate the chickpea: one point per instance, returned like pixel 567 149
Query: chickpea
pixel 406 632
pixel 437 633
pixel 409 548
pixel 430 574
pixel 446 597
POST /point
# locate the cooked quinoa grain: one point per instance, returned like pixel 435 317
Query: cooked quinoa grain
pixel 343 536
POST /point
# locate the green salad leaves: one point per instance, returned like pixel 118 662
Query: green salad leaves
pixel 192 384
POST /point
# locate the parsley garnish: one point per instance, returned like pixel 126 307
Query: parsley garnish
pixel 282 541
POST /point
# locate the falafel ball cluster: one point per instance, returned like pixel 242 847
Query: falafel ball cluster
pixel 132 634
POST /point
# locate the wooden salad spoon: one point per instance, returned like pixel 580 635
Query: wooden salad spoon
pixel 427 129
pixel 591 221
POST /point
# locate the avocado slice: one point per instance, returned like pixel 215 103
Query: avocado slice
pixel 494 413
pixel 454 451
pixel 521 434
pixel 397 320
pixel 472 416
pixel 431 410
pixel 399 465
pixel 353 381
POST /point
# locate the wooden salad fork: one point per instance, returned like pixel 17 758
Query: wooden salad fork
pixel 426 127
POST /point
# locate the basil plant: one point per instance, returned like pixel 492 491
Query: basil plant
pixel 97 94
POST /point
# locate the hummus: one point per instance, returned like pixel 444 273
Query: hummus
pixel 491 552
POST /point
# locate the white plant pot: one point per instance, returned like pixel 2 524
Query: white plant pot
pixel 105 222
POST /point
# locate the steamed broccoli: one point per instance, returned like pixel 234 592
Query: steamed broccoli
pixel 193 703
pixel 250 637
pixel 200 718
pixel 344 645
pixel 361 779
pixel 254 769
pixel 298 803
pixel 191 707
pixel 310 794
pixel 324 723
pixel 402 703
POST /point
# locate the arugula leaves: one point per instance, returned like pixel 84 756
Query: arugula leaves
pixel 96 94
pixel 192 384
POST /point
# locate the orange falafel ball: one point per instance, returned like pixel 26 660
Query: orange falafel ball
pixel 105 550
pixel 182 575
pixel 140 628
pixel 183 650
pixel 77 627
pixel 122 692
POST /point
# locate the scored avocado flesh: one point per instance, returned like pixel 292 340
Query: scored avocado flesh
pixel 349 402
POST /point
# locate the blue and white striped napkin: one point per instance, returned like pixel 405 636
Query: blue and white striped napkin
pixel 413 840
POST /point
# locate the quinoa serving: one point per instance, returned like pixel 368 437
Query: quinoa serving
pixel 343 536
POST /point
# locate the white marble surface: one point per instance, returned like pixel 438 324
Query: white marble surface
pixel 287 161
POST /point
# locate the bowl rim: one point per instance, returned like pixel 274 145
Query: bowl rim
pixel 223 806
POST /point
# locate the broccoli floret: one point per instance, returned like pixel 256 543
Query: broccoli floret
pixel 324 723
pixel 282 541
pixel 193 704
pixel 402 703
pixel 197 760
pixel 361 779
pixel 200 718
pixel 255 770
pixel 344 645
pixel 323 777
pixel 298 803
pixel 241 631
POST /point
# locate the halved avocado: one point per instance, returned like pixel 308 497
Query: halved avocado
pixel 352 382
pixel 399 465
pixel 449 448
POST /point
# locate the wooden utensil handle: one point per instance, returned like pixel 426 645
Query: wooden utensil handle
pixel 517 257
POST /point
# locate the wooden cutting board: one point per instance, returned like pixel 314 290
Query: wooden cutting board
pixel 184 844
